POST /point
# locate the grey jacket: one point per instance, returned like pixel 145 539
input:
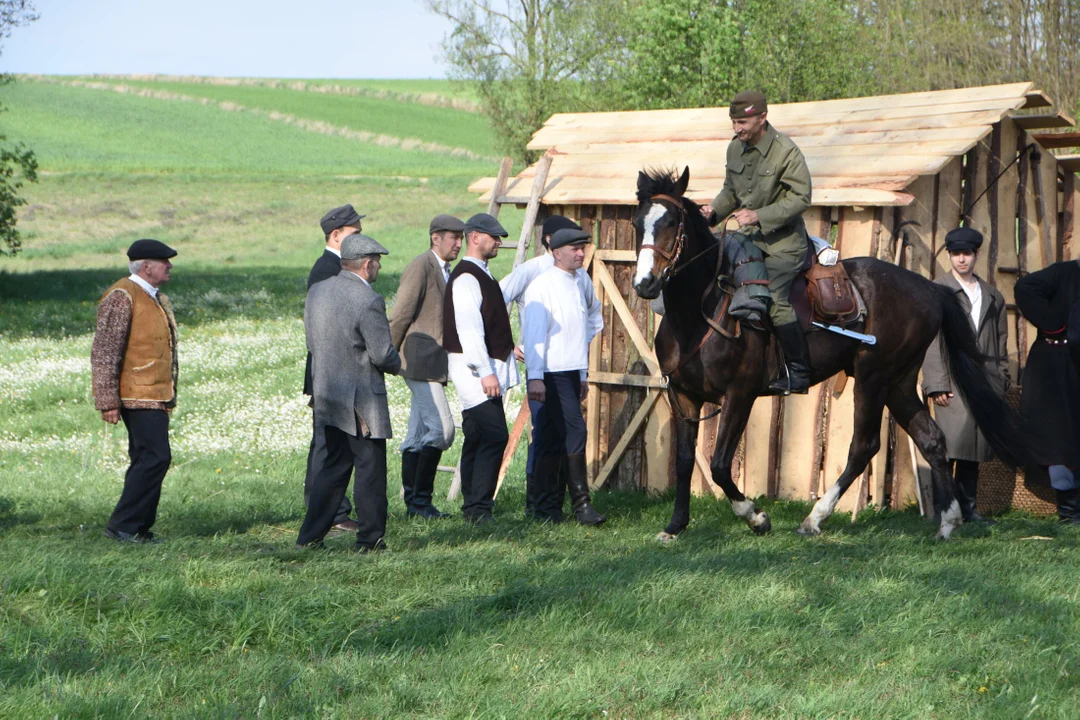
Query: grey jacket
pixel 348 337
pixel 963 440
pixel 416 320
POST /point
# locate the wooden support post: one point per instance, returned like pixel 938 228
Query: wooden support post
pixel 516 431
pixel 500 187
pixel 532 208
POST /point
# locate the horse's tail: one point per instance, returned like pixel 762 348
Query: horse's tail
pixel 999 424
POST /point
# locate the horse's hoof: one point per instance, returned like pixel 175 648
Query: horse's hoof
pixel 808 530
pixel 764 527
pixel 666 538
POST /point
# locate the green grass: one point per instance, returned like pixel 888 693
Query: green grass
pixel 226 619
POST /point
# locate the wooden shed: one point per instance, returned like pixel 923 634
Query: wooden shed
pixel 892 174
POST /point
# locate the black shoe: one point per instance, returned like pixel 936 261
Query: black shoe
pixel 578 483
pixel 139 538
pixel 478 519
pixel 1068 513
pixel 346 526
pixel 427 513
pixel 365 548
pixel 313 545
pixel 796 351
pixel 427 467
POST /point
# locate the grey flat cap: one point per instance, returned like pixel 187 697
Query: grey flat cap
pixel 482 222
pixel 338 218
pixel 569 236
pixel 446 223
pixel 356 246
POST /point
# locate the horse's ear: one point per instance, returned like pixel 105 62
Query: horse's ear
pixel 684 182
pixel 642 179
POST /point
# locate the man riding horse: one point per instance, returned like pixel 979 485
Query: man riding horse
pixel 766 190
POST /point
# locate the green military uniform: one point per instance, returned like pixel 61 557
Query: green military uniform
pixel 772 179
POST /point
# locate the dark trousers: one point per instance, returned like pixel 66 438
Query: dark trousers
pixel 316 458
pixel 148 448
pixel 484 427
pixel 560 426
pixel 344 454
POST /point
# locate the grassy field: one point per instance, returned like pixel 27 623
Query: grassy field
pixel 226 619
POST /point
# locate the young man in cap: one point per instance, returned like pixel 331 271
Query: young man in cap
pixel 416 323
pixel 134 368
pixel 1051 396
pixel 767 189
pixel 985 306
pixel 336 224
pixel 349 339
pixel 556 331
pixel 513 287
pixel 477 336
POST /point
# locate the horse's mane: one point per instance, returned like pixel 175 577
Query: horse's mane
pixel 658 181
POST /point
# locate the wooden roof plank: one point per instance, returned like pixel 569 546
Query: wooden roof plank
pixel 1037 99
pixel 1071 163
pixel 1037 122
pixel 1057 140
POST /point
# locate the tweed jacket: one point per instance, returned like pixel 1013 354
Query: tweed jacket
pixel 963 441
pixel 416 320
pixel 327 266
pixel 348 337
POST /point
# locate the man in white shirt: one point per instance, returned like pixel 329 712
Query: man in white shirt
pixel 556 331
pixel 513 287
pixel 480 347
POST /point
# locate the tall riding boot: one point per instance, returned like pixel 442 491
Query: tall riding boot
pixel 531 492
pixel 797 359
pixel 426 469
pixel 409 462
pixel 559 496
pixel 1067 501
pixel 967 482
pixel 579 491
pixel 545 470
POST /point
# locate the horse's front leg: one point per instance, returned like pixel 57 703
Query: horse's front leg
pixel 686 433
pixel 733 419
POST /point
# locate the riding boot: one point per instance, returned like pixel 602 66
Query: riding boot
pixel 409 462
pixel 1067 501
pixel 797 359
pixel 967 482
pixel 545 472
pixel 579 491
pixel 531 492
pixel 559 497
pixel 427 468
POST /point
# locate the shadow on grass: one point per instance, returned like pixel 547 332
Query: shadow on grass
pixel 60 303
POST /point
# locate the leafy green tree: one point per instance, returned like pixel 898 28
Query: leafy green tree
pixel 17 163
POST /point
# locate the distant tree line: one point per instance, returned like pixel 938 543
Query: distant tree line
pixel 528 59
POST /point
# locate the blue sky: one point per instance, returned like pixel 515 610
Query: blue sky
pixel 251 38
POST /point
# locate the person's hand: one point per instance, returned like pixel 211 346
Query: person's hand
pixel 537 391
pixel 111 416
pixel 941 399
pixel 519 353
pixel 746 217
pixel 707 212
pixel 490 383
pixel 584 392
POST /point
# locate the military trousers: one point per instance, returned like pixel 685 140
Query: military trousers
pixel 783 266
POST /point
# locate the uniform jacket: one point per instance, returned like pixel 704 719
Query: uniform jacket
pixel 1050 400
pixel 416 320
pixel 133 357
pixel 348 337
pixel 772 179
pixel 327 266
pixel 963 440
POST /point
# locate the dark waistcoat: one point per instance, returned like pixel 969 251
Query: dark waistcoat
pixel 497 335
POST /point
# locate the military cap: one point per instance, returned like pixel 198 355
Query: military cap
pixel 339 218
pixel 446 223
pixel 569 236
pixel 150 250
pixel 747 104
pixel 482 222
pixel 357 246
pixel 963 239
pixel 557 222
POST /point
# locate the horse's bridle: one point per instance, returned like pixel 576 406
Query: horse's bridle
pixel 680 239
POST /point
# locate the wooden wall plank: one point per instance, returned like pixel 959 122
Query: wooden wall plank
pixel 757 440
pixel 799 444
pixel 949 208
pixel 1070 217
pixel 918 226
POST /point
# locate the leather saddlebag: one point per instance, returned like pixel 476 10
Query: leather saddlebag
pixel 831 293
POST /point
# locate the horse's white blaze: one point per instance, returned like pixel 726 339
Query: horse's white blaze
pixel 645 257
pixel 950 520
pixel 823 508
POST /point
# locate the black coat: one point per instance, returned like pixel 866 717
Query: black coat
pixel 1051 383
pixel 327 266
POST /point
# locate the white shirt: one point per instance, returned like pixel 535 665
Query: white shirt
pixel 466 368
pixel 513 287
pixel 333 250
pixel 444 265
pixel 359 276
pixel 144 285
pixel 974 293
pixel 559 319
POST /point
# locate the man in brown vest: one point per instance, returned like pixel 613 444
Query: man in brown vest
pixel 480 347
pixel 133 361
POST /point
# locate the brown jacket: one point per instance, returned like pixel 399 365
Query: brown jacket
pixel 963 440
pixel 416 320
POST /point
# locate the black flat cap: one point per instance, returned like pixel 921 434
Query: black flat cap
pixel 963 239
pixel 339 218
pixel 446 223
pixel 557 222
pixel 747 104
pixel 482 222
pixel 150 250
pixel 569 236
pixel 357 246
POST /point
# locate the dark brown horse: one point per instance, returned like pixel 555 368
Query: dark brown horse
pixel 677 254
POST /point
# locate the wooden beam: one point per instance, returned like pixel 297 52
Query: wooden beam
pixel 624 442
pixel 520 423
pixel 600 271
pixel 615 255
pixel 1069 163
pixel 1052 141
pixel 539 181
pixel 1037 122
pixel 1036 99
pixel 609 378
pixel 499 188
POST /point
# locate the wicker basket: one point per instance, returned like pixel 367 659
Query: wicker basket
pixel 1001 489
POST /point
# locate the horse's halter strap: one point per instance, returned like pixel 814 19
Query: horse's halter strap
pixel 680 237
